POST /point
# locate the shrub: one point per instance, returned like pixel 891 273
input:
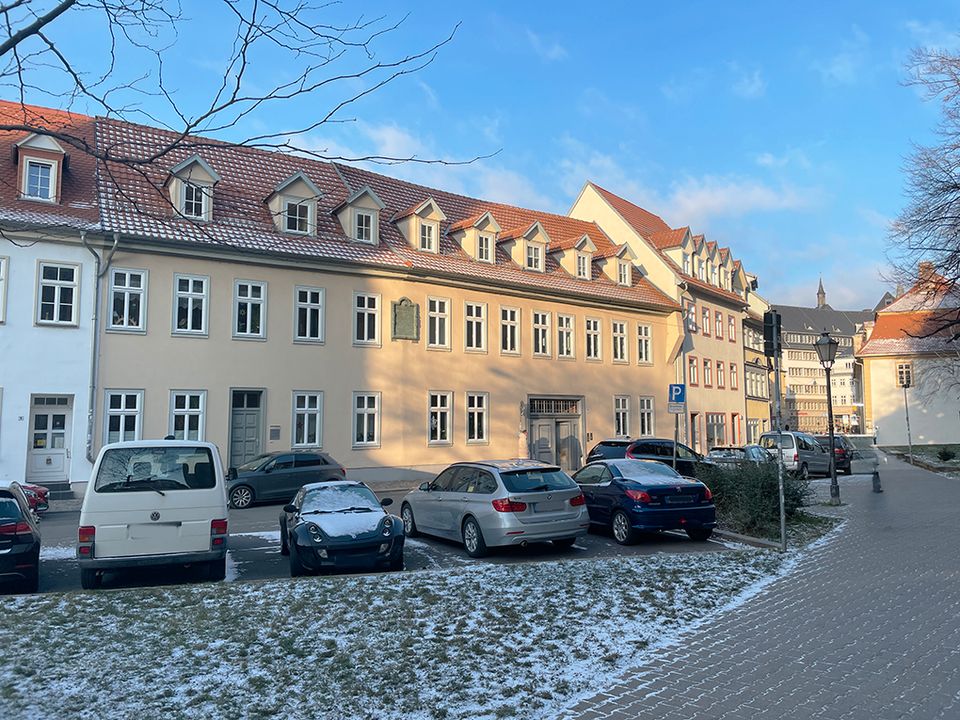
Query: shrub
pixel 946 454
pixel 748 497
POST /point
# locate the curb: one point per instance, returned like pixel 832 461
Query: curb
pixel 747 539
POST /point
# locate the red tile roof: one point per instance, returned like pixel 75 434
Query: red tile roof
pixel 668 238
pixel 131 204
pixel 643 221
pixel 906 333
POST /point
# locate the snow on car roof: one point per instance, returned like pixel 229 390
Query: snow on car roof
pixel 334 483
pixel 512 464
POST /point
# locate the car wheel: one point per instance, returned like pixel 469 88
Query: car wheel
pixel 90 579
pixel 217 569
pixel 564 543
pixel 409 524
pixel 699 534
pixel 284 547
pixel 473 539
pixel 396 563
pixel 848 470
pixel 31 583
pixel 621 528
pixel 241 497
pixel 804 472
pixel 296 567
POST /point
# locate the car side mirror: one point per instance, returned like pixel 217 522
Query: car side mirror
pixel 291 508
pixel 232 474
pixel 426 487
pixel 386 502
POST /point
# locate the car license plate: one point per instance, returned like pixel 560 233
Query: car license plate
pixel 548 506
pixel 679 499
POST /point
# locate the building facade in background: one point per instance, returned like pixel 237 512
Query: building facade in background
pixel 757 375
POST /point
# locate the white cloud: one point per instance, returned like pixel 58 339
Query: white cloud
pixel 750 85
pixel 845 290
pixel 433 102
pixel 875 219
pixel 933 35
pixel 791 156
pixel 846 66
pixel 549 50
pixel 699 199
pixel 684 89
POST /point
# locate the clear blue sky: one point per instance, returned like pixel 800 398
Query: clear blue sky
pixel 779 131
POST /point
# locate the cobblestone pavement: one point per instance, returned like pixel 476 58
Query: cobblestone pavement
pixel 866 626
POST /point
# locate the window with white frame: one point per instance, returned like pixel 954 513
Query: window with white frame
pixel 363 226
pixel 477 405
pixel 718 325
pixel 249 300
pixel 731 328
pixel 195 200
pixel 541 333
pixel 733 376
pixel 187 410
pixel 565 336
pixel 705 321
pixel 366 419
pixel 686 263
pixel 475 330
pixel 439 418
pixel 583 266
pixel 190 304
pixel 624 274
pixel 297 216
pixel 721 378
pixel 127 295
pixel 428 236
pixel 621 415
pixel 366 319
pixel 592 339
pixel 485 247
pixel 904 374
pixel 438 322
pixel 308 313
pixel 4 269
pixel 618 333
pixel 693 370
pixel 308 419
pixel 716 429
pixel 509 331
pixel 534 256
pixel 57 303
pixel 644 340
pixel 713 274
pixel 39 179
pixel 123 415
pixel 646 416
pixel 707 372
pixel 700 269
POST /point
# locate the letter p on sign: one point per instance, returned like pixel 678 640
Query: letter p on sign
pixel 677 394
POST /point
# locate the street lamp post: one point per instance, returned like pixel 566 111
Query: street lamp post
pixel 826 348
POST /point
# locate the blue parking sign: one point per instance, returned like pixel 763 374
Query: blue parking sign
pixel 677 393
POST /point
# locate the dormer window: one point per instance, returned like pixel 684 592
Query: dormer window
pixel 191 184
pixel 534 257
pixel 38 184
pixel 363 226
pixel 194 201
pixel 484 248
pixel 713 275
pixel 428 236
pixel 700 270
pixel 293 205
pixel 583 266
pixel 297 217
pixel 624 275
pixel 686 264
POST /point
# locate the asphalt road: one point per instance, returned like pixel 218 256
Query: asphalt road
pixel 254 551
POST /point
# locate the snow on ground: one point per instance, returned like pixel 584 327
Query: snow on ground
pixel 476 641
pixel 58 552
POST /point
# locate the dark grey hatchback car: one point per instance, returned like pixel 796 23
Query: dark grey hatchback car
pixel 277 476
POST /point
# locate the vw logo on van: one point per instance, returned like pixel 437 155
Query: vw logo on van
pixel 154 516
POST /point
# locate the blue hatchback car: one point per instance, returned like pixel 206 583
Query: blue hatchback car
pixel 636 495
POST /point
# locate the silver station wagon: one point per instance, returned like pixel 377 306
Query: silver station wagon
pixel 495 503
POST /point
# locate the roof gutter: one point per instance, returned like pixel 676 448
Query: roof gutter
pixel 95 329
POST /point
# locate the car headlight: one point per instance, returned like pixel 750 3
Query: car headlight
pixel 314 532
pixel 387 525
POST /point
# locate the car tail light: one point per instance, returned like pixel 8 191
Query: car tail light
pixel 508 505
pixel 342 471
pixel 707 495
pixel 796 457
pixel 578 500
pixel 638 495
pixel 218 532
pixel 22 528
pixel 86 535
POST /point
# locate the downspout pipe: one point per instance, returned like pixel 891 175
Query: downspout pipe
pixel 100 269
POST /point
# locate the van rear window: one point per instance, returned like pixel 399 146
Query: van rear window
pixel 769 442
pixel 155 469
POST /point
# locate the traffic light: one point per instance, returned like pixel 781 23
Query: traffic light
pixel 771 333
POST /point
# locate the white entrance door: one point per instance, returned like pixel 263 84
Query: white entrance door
pixel 50 433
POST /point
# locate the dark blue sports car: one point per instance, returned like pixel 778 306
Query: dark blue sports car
pixel 634 495
pixel 340 524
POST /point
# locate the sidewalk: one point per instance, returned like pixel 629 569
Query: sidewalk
pixel 866 627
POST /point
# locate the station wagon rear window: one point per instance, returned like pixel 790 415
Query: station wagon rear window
pixel 156 469
pixel 537 481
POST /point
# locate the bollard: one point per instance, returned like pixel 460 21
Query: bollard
pixel 876 481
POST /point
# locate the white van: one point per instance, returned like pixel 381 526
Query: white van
pixel 157 502
pixel 802 453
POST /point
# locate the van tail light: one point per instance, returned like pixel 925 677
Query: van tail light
pixel 707 495
pixel 578 500
pixel 342 471
pixel 796 457
pixel 508 505
pixel 86 535
pixel 218 532
pixel 638 495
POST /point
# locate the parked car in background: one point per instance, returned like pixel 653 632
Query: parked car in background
pixel 802 453
pixel 158 502
pixel 645 495
pixel 338 524
pixel 649 449
pixel 732 456
pixel 37 497
pixel 843 450
pixel 495 503
pixel 19 540
pixel 277 476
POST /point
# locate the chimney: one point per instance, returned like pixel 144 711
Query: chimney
pixel 925 271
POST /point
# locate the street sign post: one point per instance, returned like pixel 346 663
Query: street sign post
pixel 676 406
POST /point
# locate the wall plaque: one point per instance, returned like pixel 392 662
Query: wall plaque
pixel 406 320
